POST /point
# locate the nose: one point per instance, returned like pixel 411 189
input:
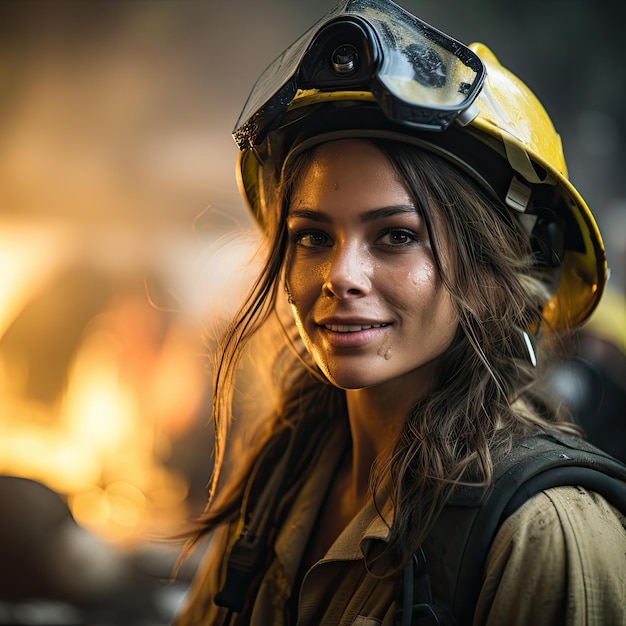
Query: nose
pixel 348 273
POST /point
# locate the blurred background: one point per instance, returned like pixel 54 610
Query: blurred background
pixel 117 172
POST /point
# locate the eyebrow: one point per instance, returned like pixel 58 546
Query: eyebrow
pixel 367 216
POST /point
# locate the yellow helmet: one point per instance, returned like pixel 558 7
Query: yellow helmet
pixel 370 69
pixel 511 115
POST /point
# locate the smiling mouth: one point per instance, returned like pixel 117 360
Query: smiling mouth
pixel 352 328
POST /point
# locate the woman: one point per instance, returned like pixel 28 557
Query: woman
pixel 424 250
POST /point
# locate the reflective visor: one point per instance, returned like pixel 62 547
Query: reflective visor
pixel 419 76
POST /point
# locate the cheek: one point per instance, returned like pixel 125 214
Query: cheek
pixel 304 281
pixel 300 293
pixel 442 315
pixel 414 288
pixel 427 297
pixel 424 278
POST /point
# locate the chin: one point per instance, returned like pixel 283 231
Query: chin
pixel 350 380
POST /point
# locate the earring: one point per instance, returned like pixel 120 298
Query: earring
pixel 289 296
pixel 530 347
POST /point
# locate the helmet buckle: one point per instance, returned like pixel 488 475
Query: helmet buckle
pixel 518 195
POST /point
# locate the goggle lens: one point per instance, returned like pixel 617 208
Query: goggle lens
pixel 420 76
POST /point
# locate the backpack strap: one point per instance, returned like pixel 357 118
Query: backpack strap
pixel 541 462
pixel 455 553
pixel 250 551
pixel 278 465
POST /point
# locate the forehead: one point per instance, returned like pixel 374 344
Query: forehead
pixel 349 169
pixel 348 154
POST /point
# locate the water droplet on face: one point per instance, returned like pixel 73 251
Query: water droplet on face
pixel 384 352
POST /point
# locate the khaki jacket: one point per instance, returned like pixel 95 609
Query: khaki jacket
pixel 559 560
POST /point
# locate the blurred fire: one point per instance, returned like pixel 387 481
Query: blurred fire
pixel 104 396
pixel 109 149
pixel 132 385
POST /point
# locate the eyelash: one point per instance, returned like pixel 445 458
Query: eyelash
pixel 298 237
pixel 409 234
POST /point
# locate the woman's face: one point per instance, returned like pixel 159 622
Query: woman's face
pixel 364 287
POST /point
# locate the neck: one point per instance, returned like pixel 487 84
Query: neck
pixel 376 421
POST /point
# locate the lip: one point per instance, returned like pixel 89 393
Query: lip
pixel 347 333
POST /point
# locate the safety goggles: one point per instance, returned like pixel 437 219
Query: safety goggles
pixel 419 76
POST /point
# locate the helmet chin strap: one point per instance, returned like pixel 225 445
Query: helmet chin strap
pixel 520 162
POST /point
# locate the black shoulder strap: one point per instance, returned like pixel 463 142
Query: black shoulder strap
pixel 250 550
pixel 456 550
pixel 538 463
pixel 275 469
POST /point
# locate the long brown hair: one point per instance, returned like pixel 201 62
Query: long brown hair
pixel 486 392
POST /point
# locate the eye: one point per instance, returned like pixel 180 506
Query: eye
pixel 312 239
pixel 397 237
